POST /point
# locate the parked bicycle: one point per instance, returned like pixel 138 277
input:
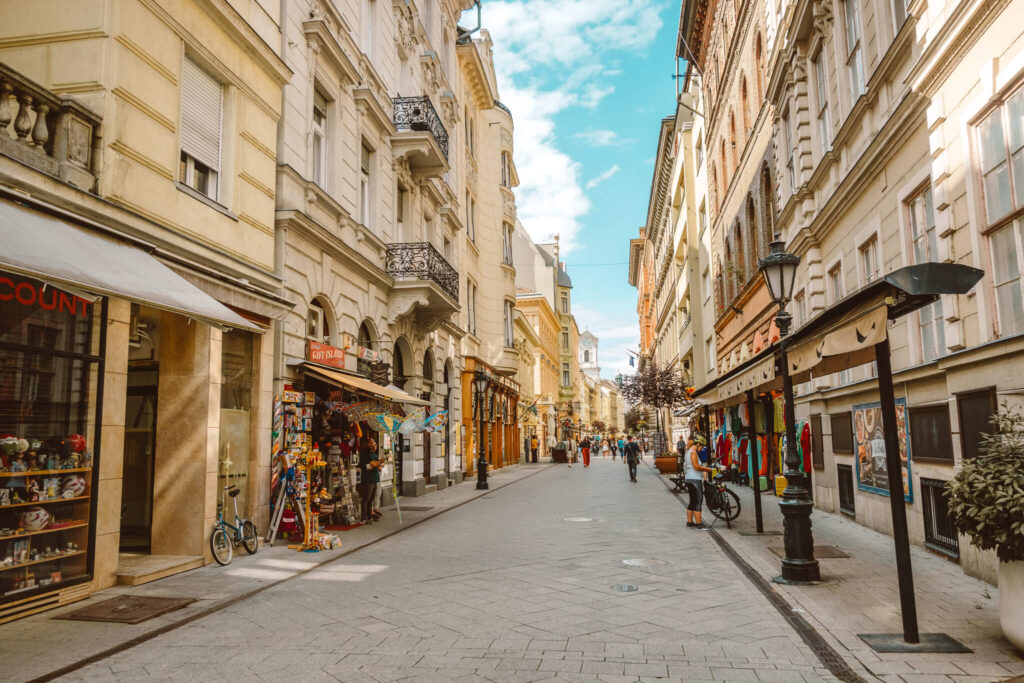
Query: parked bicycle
pixel 722 502
pixel 223 542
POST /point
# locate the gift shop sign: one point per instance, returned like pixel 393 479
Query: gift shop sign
pixel 325 355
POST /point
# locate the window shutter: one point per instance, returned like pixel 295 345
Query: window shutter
pixel 319 102
pixel 201 100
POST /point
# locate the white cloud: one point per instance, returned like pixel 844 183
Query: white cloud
pixel 594 182
pixel 549 57
pixel 598 138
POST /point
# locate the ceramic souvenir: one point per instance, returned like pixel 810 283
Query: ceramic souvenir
pixel 77 443
pixel 72 486
pixel 35 519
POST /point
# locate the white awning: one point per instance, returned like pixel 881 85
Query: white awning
pixel 41 246
pixel 343 379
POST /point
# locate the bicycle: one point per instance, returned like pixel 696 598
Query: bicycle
pixel 222 543
pixel 723 503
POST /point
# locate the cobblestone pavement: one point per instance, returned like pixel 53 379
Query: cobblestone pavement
pixel 518 585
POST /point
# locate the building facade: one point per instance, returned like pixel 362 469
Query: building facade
pixel 138 147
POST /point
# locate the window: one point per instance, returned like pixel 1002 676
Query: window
pixel 1001 144
pixel 789 138
pixel 471 307
pixel 821 88
pixel 402 228
pixel 565 375
pixel 854 56
pixel 506 247
pixel 899 12
pixel 699 152
pixel 470 217
pixel 448 250
pixel 930 435
pixel 565 303
pixel 319 138
pixel 835 282
pixel 317 328
pixel 365 185
pixel 506 170
pixel 869 259
pixel 709 351
pixel 369 9
pixel 976 410
pixel 702 217
pixel 924 248
pixel 842 432
pixel 565 337
pixel 202 101
pixel 801 308
pixel 705 283
pixel 939 532
pixel 470 134
pixel 817 446
pixel 846 492
pixel 509 333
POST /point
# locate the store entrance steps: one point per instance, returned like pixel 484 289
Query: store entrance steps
pixel 135 570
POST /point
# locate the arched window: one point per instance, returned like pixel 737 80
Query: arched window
pixel 732 136
pixel 318 327
pixel 428 375
pixel 586 356
pixel 725 170
pixel 745 102
pixel 759 60
pixel 714 180
pixel 758 246
pixel 730 274
pixel 741 260
pixel 719 287
pixel 767 205
pixel 364 339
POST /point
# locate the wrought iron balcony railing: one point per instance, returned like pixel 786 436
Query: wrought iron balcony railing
pixel 502 107
pixel 52 133
pixel 420 260
pixel 418 114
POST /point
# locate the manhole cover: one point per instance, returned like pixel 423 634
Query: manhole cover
pixel 824 552
pixel 127 609
pixel 624 587
pixel 642 562
pixel 417 508
pixel 578 519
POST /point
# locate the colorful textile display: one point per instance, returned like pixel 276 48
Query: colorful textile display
pixel 386 422
pixel 436 422
pixel 414 422
pixel 780 423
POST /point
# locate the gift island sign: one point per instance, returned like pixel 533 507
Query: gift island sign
pixel 325 355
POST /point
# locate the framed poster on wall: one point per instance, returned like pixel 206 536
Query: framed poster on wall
pixel 869 445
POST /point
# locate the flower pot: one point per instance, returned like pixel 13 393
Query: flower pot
pixel 1011 602
pixel 666 464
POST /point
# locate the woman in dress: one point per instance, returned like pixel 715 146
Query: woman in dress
pixel 605 448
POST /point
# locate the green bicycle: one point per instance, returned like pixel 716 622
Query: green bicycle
pixel 223 542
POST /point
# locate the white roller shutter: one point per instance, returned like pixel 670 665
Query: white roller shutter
pixel 201 103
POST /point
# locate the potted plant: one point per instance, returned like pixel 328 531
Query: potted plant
pixel 986 503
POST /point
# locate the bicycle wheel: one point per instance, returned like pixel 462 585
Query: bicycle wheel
pixel 250 539
pixel 727 507
pixel 221 545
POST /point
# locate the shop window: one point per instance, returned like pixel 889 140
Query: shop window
pixel 976 410
pixel 847 501
pixel 817 448
pixel 930 437
pixel 842 432
pixel 235 409
pixel 50 365
pixel 939 532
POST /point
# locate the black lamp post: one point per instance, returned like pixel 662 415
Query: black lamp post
pixel 799 565
pixel 481 381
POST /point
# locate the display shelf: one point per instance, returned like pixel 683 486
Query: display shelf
pixel 24 534
pixel 44 502
pixel 55 558
pixel 34 473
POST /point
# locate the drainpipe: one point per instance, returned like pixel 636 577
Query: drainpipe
pixel 465 37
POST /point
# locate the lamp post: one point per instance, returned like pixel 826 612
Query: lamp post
pixel 480 383
pixel 799 565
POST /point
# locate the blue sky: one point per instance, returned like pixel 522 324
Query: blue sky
pixel 587 82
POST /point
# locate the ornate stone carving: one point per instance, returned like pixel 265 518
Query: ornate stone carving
pixel 508 206
pixel 405 37
pixel 405 304
pixel 400 166
pixel 823 16
pixel 506 138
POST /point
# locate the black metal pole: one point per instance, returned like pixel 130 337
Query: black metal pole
pixel 799 565
pixel 754 462
pixel 904 570
pixel 481 465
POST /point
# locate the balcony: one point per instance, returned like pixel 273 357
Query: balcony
pixel 421 138
pixel 426 285
pixel 55 135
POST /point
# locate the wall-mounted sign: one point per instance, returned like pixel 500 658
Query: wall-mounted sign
pixel 325 355
pixel 869 440
pixel 368 354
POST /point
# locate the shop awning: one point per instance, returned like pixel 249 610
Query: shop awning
pixel 357 383
pixel 759 377
pixel 66 255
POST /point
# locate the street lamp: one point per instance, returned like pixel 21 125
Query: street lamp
pixel 481 380
pixel 799 565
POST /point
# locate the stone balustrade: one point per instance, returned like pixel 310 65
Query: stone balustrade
pixel 51 133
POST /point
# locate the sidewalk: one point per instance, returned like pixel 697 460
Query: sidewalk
pixel 40 644
pixel 859 594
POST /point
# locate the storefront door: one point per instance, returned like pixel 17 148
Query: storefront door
pixel 426 457
pixel 139 458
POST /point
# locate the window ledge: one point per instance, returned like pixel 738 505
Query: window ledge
pixel 212 203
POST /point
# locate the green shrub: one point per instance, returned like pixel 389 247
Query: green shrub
pixel 986 497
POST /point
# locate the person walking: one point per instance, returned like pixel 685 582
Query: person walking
pixel 680 454
pixel 534 444
pixel 631 456
pixel 585 450
pixel 605 450
pixel 622 445
pixel 694 478
pixel 570 451
pixel 614 446
pixel 369 477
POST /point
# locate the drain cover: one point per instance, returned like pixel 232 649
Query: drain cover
pixel 624 587
pixel 127 609
pixel 642 562
pixel 417 508
pixel 578 519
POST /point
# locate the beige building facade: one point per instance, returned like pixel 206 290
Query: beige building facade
pixel 138 145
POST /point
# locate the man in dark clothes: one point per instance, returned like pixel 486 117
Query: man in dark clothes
pixel 370 476
pixel 632 455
